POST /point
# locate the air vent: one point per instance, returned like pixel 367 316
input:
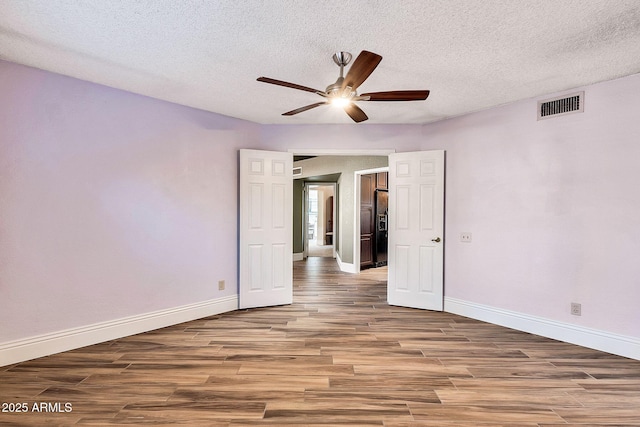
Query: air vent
pixel 297 171
pixel 560 106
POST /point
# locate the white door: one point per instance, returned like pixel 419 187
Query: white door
pixel 266 217
pixel 416 225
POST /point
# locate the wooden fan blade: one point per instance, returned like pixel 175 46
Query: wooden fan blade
pixel 398 95
pixel 305 108
pixel 355 113
pixel 361 68
pixel 287 84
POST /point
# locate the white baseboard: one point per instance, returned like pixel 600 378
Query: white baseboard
pixel 345 266
pixel 620 345
pixel 56 342
pixel 299 256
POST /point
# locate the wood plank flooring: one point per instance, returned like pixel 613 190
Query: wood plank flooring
pixel 338 356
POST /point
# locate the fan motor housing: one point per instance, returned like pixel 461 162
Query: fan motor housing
pixel 342 58
pixel 335 88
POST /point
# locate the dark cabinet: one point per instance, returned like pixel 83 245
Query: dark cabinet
pixel 381 181
pixel 373 220
pixel 367 230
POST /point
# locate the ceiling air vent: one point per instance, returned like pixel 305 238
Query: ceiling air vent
pixel 573 103
pixel 297 171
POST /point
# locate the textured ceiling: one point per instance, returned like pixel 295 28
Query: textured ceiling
pixel 471 54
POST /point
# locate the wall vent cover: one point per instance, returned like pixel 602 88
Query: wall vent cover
pixel 297 171
pixel 573 103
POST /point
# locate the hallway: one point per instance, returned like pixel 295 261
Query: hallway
pixel 316 250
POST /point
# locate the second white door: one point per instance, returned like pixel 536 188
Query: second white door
pixel 416 230
pixel 266 221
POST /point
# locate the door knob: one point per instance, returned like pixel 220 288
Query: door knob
pixel 437 240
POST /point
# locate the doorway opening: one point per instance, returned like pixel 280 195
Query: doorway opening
pixel 319 220
pixel 340 168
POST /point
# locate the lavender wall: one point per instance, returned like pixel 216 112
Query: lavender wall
pixel 342 137
pixel 553 206
pixel 111 204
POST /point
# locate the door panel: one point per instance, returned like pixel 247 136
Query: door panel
pixel 266 216
pixel 381 180
pixel 416 221
pixel 366 189
pixel 366 220
pixel 366 251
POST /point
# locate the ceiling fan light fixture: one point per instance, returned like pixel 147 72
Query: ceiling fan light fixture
pixel 340 101
pixel 343 93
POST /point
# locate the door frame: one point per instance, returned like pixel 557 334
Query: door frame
pixel 357 191
pixel 357 185
pixel 339 152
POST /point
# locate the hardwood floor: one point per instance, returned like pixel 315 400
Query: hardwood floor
pixel 338 356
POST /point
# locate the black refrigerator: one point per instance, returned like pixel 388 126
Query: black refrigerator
pixel 382 235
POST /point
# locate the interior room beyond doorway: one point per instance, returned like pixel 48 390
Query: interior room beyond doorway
pixel 342 170
pixel 320 220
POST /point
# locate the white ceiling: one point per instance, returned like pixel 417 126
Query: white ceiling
pixel 471 54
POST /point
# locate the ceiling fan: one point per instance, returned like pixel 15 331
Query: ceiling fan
pixel 343 93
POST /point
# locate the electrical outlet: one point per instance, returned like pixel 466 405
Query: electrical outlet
pixel 576 309
pixel 465 237
pixel 221 285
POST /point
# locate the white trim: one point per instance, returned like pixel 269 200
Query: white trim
pixel 298 256
pixel 344 266
pixel 56 342
pixel 620 345
pixel 374 170
pixel 337 152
